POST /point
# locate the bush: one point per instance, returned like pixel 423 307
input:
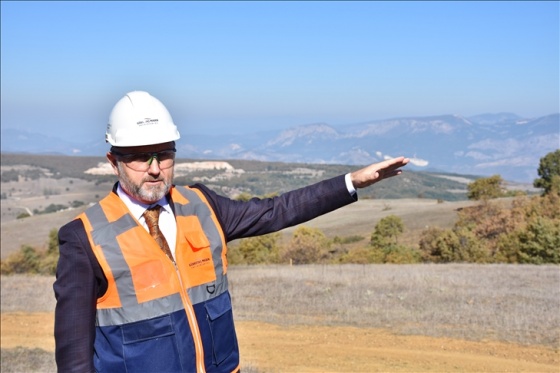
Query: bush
pixel 487 222
pixel 469 248
pixel 384 243
pixel 436 245
pixel 76 204
pixel 259 250
pixel 11 175
pixel 387 231
pixel 53 208
pixel 33 261
pixel 358 256
pixel 24 261
pixel 308 245
pixel 538 243
pixel 399 254
pixel 244 196
pixel 526 232
pixel 23 215
pixel 486 188
pixel 347 239
pixel 457 245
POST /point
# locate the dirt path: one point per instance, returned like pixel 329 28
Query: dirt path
pixel 273 348
pixel 348 349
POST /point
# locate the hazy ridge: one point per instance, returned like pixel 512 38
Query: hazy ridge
pixel 485 145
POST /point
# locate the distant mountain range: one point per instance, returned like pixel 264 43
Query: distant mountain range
pixel 485 145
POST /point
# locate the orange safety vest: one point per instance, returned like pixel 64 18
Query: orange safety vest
pixel 157 315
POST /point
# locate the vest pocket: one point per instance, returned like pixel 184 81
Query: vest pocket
pixel 150 346
pixel 220 320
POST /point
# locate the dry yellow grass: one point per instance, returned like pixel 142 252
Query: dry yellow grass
pixel 351 318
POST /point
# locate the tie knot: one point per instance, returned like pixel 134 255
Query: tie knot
pixel 152 215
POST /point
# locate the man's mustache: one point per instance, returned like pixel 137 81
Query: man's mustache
pixel 153 179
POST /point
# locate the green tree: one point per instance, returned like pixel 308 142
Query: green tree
pixel 539 243
pixel 485 188
pixel 384 243
pixel 549 172
pixel 387 231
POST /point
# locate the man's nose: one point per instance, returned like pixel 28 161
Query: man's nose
pixel 154 167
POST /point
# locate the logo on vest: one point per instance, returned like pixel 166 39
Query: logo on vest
pixel 199 262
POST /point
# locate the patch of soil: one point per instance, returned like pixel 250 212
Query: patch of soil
pixel 348 349
pixel 274 348
pixel 29 330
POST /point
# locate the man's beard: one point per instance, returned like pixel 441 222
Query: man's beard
pixel 141 192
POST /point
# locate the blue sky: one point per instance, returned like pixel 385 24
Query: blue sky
pixel 249 66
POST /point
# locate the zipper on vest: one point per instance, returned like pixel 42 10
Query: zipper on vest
pixel 194 330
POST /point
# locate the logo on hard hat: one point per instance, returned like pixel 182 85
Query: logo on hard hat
pixel 147 121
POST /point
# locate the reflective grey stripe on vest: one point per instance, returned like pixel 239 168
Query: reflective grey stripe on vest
pixel 200 209
pixel 105 235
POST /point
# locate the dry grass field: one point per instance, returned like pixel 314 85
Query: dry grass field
pixel 351 318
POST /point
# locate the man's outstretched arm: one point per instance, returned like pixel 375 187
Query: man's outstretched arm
pixel 260 216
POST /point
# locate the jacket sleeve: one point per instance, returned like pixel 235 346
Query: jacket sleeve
pixel 260 216
pixel 79 281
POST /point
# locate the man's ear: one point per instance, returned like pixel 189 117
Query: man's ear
pixel 113 161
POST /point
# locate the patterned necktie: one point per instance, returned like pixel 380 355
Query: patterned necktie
pixel 152 217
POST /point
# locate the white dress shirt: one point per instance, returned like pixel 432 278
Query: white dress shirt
pixel 167 223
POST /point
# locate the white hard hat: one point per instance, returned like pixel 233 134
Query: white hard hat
pixel 140 119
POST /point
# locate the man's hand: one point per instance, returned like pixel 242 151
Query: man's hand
pixel 378 171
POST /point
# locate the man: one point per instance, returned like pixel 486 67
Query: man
pixel 130 299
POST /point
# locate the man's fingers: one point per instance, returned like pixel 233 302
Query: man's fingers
pixel 393 163
pixel 379 171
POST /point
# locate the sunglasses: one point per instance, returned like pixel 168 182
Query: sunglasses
pixel 143 161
